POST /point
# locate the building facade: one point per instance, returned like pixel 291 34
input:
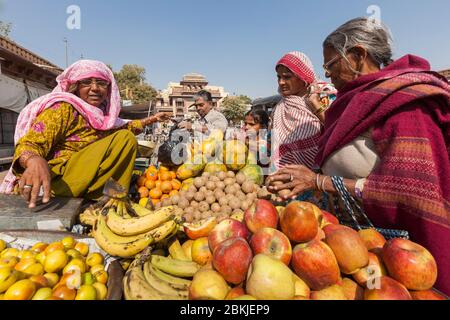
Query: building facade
pixel 446 73
pixel 24 76
pixel 179 96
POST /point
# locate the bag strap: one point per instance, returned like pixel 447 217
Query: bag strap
pixel 350 203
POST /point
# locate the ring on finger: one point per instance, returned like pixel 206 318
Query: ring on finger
pixel 28 186
pixel 291 178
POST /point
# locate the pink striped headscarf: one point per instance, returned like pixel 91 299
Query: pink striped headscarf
pixel 98 119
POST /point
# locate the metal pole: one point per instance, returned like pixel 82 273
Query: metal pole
pixel 67 57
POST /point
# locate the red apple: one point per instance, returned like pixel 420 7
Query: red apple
pixel 427 295
pixel 374 269
pixel 352 290
pixel 328 218
pixel 315 263
pixel 410 264
pixel 387 289
pixel 348 247
pixel 334 292
pixel 373 240
pixel 232 258
pixel 272 243
pixel 299 222
pixel 329 228
pixel 263 214
pixel 235 293
pixel 228 228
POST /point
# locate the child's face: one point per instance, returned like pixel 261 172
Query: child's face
pixel 251 124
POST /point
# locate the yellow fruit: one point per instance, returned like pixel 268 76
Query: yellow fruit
pixel 2 245
pixel 53 247
pixel 1 296
pixel 39 247
pixel 68 243
pixel 36 269
pixel 82 248
pixel 102 290
pixel 143 202
pixel 40 257
pixel 9 262
pixel 64 292
pixel 25 263
pixel 10 252
pixel 71 280
pixel 187 248
pixel 8 276
pixel 87 278
pixel 52 279
pixel 21 290
pixel 97 268
pixel 94 259
pixel 86 292
pixel 200 251
pixel 101 276
pixel 42 294
pixel 40 281
pixel 76 264
pixel 26 254
pixel 56 261
pixel 74 254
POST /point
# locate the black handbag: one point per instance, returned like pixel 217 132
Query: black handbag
pixel 175 141
pixel 355 217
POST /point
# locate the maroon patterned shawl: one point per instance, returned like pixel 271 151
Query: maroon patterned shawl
pixel 409 108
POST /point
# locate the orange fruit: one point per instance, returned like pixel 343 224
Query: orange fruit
pixel 165 176
pixel 158 184
pixel 166 187
pixel 173 192
pixel 163 169
pixel 143 192
pixel 200 251
pixel 200 229
pixel 164 196
pixel 155 201
pixel 150 184
pixel 173 174
pixel 151 176
pixel 176 185
pixel 155 193
pixel 141 181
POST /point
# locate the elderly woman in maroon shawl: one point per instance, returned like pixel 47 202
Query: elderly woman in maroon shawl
pixel 388 135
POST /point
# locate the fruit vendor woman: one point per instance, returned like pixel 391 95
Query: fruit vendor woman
pixel 71 141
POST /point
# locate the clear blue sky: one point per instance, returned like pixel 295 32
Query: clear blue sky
pixel 234 43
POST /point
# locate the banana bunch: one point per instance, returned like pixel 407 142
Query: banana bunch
pixel 159 278
pixel 123 229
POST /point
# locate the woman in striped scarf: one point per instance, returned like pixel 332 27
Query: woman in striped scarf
pixel 296 124
pixel 297 119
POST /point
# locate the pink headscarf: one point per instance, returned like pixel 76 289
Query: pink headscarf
pixel 98 119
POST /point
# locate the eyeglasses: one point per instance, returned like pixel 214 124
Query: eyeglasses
pixel 89 82
pixel 330 63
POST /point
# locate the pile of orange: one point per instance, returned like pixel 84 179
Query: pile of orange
pixel 157 185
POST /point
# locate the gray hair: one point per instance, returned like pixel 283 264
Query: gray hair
pixel 373 35
pixel 73 88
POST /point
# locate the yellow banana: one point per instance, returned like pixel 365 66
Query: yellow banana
pixel 137 288
pixel 112 237
pixel 123 250
pixel 140 210
pixel 135 226
pixel 176 282
pixel 164 231
pixel 178 268
pixel 163 286
pixel 176 251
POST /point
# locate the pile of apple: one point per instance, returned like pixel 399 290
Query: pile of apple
pixel 61 270
pixel 304 253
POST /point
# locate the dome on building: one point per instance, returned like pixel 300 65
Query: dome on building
pixel 194 77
